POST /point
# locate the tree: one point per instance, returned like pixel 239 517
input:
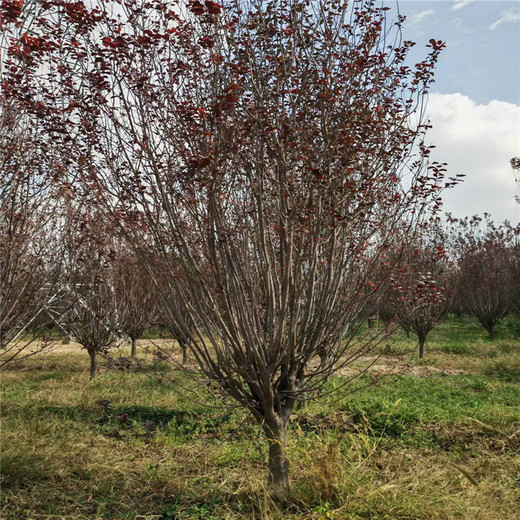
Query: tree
pixel 421 288
pixel 486 269
pixel 32 201
pixel 514 245
pixel 515 293
pixel 135 298
pixel 30 246
pixel 176 318
pixel 262 146
pixel 91 318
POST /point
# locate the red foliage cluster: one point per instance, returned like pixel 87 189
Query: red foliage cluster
pixel 10 10
pixel 437 45
pixel 208 7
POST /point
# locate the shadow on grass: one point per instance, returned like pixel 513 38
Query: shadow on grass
pixel 144 421
pixel 23 470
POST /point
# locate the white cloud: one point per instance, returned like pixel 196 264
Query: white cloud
pixel 459 4
pixel 417 18
pixel 461 26
pixel 479 141
pixel 507 17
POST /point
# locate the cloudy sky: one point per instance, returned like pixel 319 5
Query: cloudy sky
pixel 474 106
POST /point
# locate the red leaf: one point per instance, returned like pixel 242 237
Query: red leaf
pixel 213 8
pixel 197 8
pixel 11 9
pixel 436 44
pixel 231 98
pixel 206 42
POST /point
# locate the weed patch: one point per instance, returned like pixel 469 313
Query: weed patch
pixel 505 370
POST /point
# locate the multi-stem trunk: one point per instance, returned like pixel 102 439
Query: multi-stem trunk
pixel 491 331
pixel 93 366
pixel 277 435
pixel 489 324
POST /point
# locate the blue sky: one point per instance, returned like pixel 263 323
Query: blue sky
pixel 474 106
pixel 482 57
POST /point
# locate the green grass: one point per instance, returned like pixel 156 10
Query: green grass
pixel 440 443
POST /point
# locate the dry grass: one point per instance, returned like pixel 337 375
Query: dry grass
pixel 441 443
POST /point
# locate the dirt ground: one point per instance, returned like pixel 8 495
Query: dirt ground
pixel 381 365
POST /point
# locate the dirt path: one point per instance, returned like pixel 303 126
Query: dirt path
pixel 382 365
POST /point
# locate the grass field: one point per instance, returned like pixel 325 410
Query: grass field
pixel 440 442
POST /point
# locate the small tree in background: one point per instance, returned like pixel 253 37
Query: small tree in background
pixel 135 297
pixel 515 268
pixel 170 284
pixel 422 289
pixel 515 247
pixel 92 321
pixel 176 317
pixel 486 271
pixel 89 295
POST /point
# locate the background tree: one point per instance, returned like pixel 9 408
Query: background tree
pixel 515 247
pixel 34 190
pixel 135 297
pixel 175 317
pixel 263 145
pixel 485 265
pixel 90 298
pixel 422 287
pixel 515 269
pixel 30 227
pixel 168 276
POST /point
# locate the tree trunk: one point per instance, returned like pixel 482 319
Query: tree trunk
pixel 278 463
pixel 491 331
pixel 93 366
pixel 325 358
pixel 134 348
pixel 184 348
pixel 422 341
